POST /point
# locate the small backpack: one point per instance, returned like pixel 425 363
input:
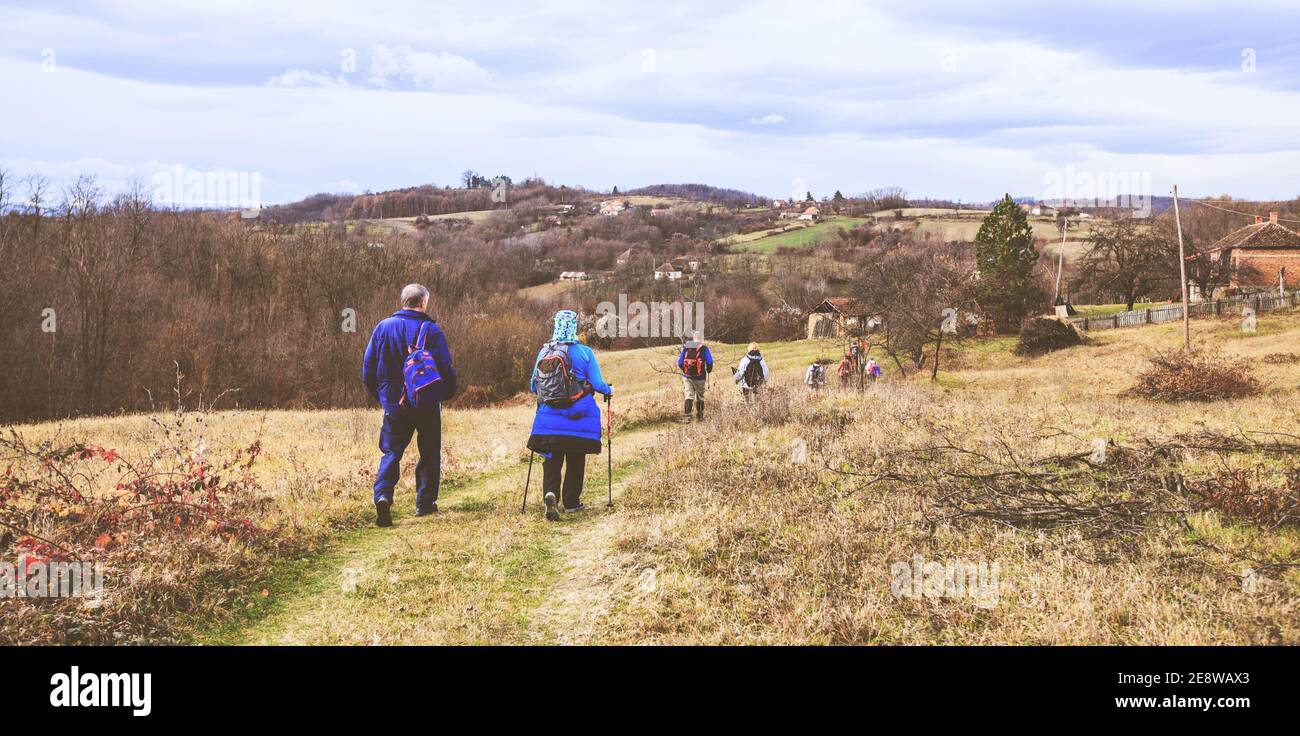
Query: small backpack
pixel 556 384
pixel 693 362
pixel 754 373
pixel 419 372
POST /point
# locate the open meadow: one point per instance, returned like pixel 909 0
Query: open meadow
pixel 784 520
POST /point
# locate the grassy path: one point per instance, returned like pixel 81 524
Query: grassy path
pixel 478 572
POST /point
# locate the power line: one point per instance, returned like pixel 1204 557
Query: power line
pixel 1237 212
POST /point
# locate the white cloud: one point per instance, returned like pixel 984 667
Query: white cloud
pixel 424 70
pixel 305 78
pixel 873 102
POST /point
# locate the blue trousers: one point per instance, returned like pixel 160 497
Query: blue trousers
pixel 394 437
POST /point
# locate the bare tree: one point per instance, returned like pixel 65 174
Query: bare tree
pixel 1122 260
pixel 908 286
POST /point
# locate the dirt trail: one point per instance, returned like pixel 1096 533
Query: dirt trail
pixel 478 572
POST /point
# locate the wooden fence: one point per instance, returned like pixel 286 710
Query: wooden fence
pixel 1156 315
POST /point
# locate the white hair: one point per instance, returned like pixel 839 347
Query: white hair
pixel 414 296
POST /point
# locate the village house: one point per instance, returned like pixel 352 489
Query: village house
pixel 812 213
pixel 668 272
pixel 627 257
pixel 838 316
pixel 574 276
pixel 1260 256
pixel 612 207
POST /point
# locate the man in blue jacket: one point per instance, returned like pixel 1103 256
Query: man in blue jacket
pixel 696 363
pixel 381 371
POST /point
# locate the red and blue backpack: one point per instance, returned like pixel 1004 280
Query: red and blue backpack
pixel 419 372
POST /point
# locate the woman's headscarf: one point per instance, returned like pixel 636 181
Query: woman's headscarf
pixel 566 326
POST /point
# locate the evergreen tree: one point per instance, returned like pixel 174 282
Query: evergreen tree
pixel 1005 256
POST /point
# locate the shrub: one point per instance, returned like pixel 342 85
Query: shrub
pixel 1195 376
pixel 1282 358
pixel 1045 334
pixel 1246 495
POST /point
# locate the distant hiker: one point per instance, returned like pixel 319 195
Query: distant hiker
pixel 696 363
pixel 752 372
pixel 845 370
pixel 815 376
pixel 407 368
pixel 566 427
pixel 873 370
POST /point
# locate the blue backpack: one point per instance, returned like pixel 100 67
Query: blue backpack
pixel 419 372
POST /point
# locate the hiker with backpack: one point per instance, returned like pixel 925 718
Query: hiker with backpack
pixel 845 371
pixel 815 376
pixel 566 428
pixel 696 363
pixel 873 370
pixel 407 368
pixel 752 372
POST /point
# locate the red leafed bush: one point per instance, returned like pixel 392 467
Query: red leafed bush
pixel 156 525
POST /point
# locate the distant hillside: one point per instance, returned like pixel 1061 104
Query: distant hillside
pixel 425 199
pixel 699 192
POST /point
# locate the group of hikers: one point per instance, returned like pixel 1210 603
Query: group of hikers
pixel 815 376
pixel 408 369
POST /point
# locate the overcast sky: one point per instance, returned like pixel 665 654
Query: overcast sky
pixel 945 99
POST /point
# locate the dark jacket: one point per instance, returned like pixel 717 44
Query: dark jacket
pixel 381 368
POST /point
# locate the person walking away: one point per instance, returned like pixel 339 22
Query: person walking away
pixel 566 427
pixel 815 376
pixel 845 371
pixel 752 372
pixel 407 368
pixel 873 370
pixel 696 363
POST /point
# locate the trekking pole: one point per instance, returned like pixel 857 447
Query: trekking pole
pixel 523 505
pixel 609 450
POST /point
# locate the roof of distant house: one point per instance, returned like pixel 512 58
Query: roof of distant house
pixel 1265 234
pixel 843 305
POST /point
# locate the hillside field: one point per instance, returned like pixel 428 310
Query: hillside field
pixel 781 521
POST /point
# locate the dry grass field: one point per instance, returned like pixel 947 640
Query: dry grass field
pixel 783 521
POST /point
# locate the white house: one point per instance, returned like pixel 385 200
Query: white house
pixel 612 207
pixel 667 272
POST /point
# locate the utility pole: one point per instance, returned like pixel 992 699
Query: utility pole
pixel 1182 274
pixel 1060 262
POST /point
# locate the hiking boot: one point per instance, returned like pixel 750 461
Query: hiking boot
pixel 552 507
pixel 383 513
pixel 427 512
pixel 580 507
pixel 686 419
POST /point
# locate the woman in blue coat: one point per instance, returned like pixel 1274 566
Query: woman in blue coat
pixel 566 436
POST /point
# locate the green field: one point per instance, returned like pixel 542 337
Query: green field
pixel 800 237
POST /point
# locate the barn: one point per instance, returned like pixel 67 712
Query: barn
pixel 838 316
